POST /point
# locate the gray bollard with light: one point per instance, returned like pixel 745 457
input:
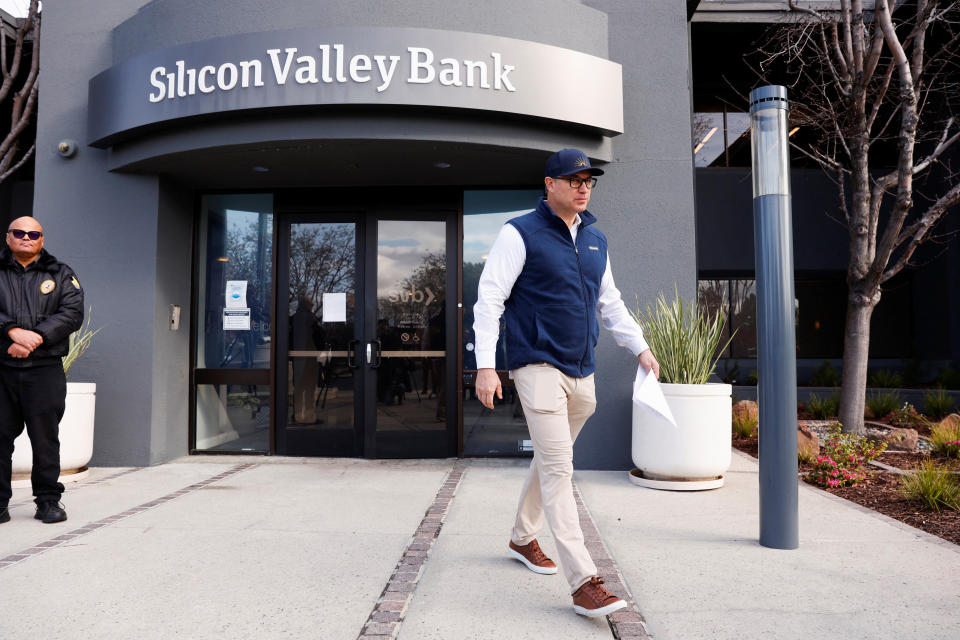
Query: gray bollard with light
pixel 776 313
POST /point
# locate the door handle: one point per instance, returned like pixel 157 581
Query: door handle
pixel 376 364
pixel 351 352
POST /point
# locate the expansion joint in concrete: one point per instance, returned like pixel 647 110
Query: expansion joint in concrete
pixel 85 483
pixel 70 536
pixel 388 614
pixel 628 623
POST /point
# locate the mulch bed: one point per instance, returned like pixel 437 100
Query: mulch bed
pixel 881 492
pixel 912 460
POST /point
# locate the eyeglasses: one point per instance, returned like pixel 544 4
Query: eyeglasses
pixel 575 181
pixel 20 233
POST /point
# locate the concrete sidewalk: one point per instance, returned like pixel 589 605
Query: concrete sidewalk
pixel 216 547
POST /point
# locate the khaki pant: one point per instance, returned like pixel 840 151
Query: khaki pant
pixel 556 407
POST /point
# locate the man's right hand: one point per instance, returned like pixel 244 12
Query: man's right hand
pixel 18 351
pixel 29 339
pixel 487 384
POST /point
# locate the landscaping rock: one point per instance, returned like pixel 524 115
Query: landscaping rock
pixel 807 442
pixel 952 421
pixel 897 438
pixel 746 409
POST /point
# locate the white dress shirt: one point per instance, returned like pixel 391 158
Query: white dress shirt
pixel 504 264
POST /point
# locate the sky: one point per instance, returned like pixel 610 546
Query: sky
pixel 16 8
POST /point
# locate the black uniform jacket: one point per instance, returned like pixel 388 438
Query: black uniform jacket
pixel 44 297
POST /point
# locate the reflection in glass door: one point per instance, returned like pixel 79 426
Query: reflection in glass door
pixel 317 402
pixel 411 364
pixel 362 323
pixel 234 289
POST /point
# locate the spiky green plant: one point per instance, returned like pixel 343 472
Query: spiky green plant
pixel 823 408
pixel 938 403
pixel 883 402
pixel 942 436
pixel 683 339
pixel 743 425
pixel 80 341
pixel 934 486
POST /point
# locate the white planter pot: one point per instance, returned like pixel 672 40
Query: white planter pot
pixel 76 438
pixel 697 451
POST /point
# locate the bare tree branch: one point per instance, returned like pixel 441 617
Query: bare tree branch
pixel 26 156
pixel 794 7
pixel 921 227
pixel 842 83
pixel 942 146
pixel 873 58
pixel 10 73
pixel 854 130
pixel 842 195
pixel 878 101
pixel 25 95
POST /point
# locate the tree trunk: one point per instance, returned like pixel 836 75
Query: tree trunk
pixel 856 352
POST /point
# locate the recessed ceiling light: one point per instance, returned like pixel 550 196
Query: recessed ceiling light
pixel 442 165
pixel 261 169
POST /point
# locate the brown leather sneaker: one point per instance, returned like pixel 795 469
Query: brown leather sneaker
pixel 534 557
pixel 593 600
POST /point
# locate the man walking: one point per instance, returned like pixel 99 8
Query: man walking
pixel 41 304
pixel 549 274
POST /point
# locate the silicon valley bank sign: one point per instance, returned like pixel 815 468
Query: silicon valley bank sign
pixel 351 66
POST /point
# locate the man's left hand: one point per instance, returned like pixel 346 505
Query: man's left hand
pixel 24 337
pixel 649 363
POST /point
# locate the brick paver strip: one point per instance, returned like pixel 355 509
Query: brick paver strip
pixel 37 549
pixel 84 483
pixel 387 616
pixel 626 624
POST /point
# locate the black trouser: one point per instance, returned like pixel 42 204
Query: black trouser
pixel 35 396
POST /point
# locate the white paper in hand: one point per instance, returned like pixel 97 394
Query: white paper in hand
pixel 647 393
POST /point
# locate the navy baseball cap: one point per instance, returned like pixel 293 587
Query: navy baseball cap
pixel 567 162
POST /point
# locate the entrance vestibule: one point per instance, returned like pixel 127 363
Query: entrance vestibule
pixel 345 351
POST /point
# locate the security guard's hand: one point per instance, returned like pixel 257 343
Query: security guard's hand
pixel 488 383
pixel 18 351
pixel 29 339
pixel 649 363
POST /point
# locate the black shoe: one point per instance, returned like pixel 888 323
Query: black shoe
pixel 4 515
pixel 50 512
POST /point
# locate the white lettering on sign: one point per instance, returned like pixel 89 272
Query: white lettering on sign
pixel 331 66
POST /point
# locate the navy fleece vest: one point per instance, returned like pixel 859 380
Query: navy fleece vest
pixel 551 314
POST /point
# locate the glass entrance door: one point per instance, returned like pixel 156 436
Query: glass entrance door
pixel 362 325
pixel 317 337
pixel 411 337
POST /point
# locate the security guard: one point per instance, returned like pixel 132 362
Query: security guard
pixel 41 304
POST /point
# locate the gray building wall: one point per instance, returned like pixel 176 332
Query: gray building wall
pixel 170 412
pixel 128 235
pixel 645 201
pixel 104 225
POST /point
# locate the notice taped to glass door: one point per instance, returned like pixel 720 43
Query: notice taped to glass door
pixel 236 319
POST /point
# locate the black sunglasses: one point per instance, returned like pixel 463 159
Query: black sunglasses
pixel 20 233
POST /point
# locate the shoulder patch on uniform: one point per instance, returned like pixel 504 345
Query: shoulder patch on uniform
pixel 76 283
pixel 47 286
